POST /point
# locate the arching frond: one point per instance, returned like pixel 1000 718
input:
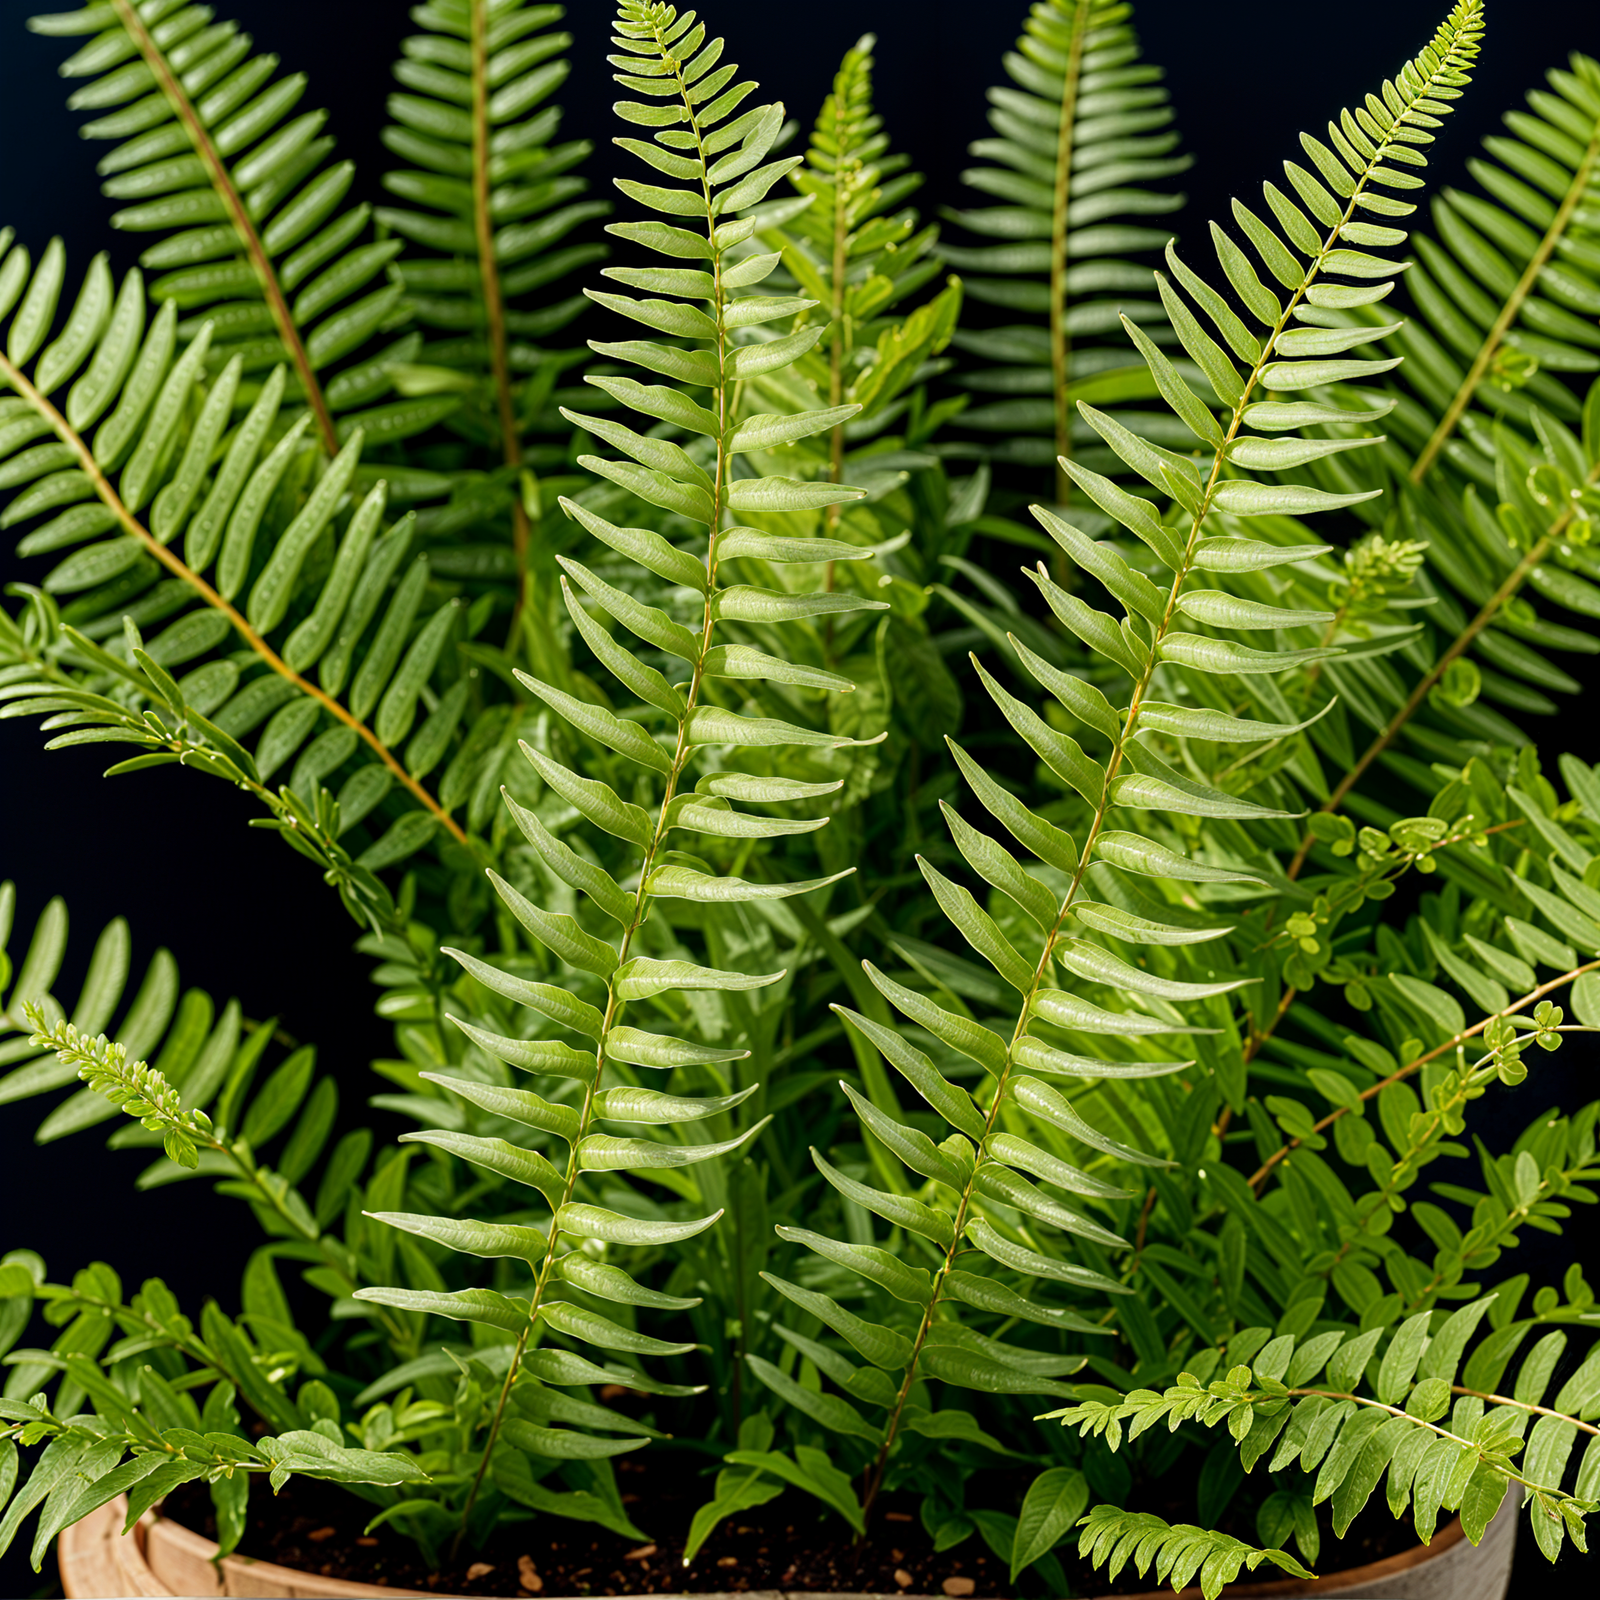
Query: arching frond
pixel 1442 1433
pixel 1078 142
pixel 490 202
pixel 214 154
pixel 1084 966
pixel 1509 289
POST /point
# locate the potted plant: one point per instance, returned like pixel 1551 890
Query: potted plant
pixel 1133 1278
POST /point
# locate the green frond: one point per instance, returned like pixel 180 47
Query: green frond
pixel 669 725
pixel 489 203
pixel 215 153
pixel 1444 1436
pixel 1132 761
pixel 1508 287
pixel 1080 135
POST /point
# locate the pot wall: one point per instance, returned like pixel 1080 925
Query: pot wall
pixel 163 1558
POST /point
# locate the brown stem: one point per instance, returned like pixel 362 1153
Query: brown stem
pixel 1523 1405
pixel 494 311
pixel 680 758
pixel 233 202
pixel 132 526
pixel 1508 312
pixel 1060 343
pixel 1261 1174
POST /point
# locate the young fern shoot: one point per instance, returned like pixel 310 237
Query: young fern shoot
pixel 978 1172
pixel 717 159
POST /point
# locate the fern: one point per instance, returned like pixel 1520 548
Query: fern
pixel 1512 283
pixel 978 1172
pixel 719 156
pixel 496 196
pixel 204 1099
pixel 1076 142
pixel 265 249
pixel 101 1442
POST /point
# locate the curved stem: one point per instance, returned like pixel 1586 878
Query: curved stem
pixel 1509 311
pixel 1411 1068
pixel 494 314
pixel 680 758
pixel 1060 341
pixel 131 525
pixel 233 203
pixel 874 1478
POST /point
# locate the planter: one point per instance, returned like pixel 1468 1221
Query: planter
pixel 161 1557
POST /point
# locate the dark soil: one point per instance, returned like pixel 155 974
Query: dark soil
pixel 785 1544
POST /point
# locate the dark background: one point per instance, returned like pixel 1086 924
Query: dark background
pixel 171 850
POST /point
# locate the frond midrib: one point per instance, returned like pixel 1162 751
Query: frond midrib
pixel 266 274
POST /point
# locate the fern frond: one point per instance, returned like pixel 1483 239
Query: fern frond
pixel 1078 988
pixel 99 1442
pixel 264 248
pixel 666 59
pixel 1334 1406
pixel 489 196
pixel 855 248
pixel 1509 290
pixel 272 559
pixel 1076 144
pixel 1180 1554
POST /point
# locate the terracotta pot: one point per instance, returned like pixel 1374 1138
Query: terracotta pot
pixel 161 1557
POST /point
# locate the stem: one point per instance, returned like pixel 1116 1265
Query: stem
pixel 1508 312
pixel 680 758
pixel 874 1477
pixel 133 527
pixel 1261 1174
pixel 1443 1433
pixel 233 202
pixel 1060 343
pixel 494 314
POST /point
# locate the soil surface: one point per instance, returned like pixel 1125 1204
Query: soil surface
pixel 785 1544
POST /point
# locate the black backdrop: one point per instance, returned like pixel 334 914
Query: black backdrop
pixel 171 850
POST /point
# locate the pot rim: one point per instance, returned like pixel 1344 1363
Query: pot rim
pixel 100 1528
